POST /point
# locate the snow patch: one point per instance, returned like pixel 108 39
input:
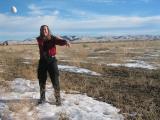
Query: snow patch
pixel 77 70
pixel 26 62
pixel 134 64
pixel 74 106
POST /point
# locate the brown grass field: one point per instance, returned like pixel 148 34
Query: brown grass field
pixel 135 91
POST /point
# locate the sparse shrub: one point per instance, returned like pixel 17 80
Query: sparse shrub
pixel 63 116
pixel 85 45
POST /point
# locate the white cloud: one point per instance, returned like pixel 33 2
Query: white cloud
pixel 78 12
pixel 24 23
pixel 35 10
pixel 14 25
pixel 41 10
pixel 109 1
pixel 56 12
pixel 96 21
pixel 118 1
pixel 109 22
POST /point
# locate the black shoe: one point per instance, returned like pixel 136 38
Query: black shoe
pixel 58 102
pixel 41 101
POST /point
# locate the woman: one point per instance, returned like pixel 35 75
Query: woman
pixel 48 62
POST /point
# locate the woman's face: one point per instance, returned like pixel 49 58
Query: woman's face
pixel 45 31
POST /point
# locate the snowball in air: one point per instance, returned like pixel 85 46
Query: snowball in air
pixel 14 9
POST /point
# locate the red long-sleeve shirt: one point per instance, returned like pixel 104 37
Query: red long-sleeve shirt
pixel 48 47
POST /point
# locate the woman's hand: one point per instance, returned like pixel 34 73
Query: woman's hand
pixel 68 44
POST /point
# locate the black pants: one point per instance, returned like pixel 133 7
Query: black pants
pixel 48 65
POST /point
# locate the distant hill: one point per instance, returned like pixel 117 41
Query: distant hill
pixel 26 41
pixel 75 39
pixel 71 38
pixel 118 38
pixel 4 43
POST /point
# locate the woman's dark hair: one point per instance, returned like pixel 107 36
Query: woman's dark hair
pixel 42 35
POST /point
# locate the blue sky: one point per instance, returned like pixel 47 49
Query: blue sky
pixel 79 17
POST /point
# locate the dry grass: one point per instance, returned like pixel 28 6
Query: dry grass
pixel 134 91
pixel 12 58
pixel 63 116
pixel 20 108
pixel 132 94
